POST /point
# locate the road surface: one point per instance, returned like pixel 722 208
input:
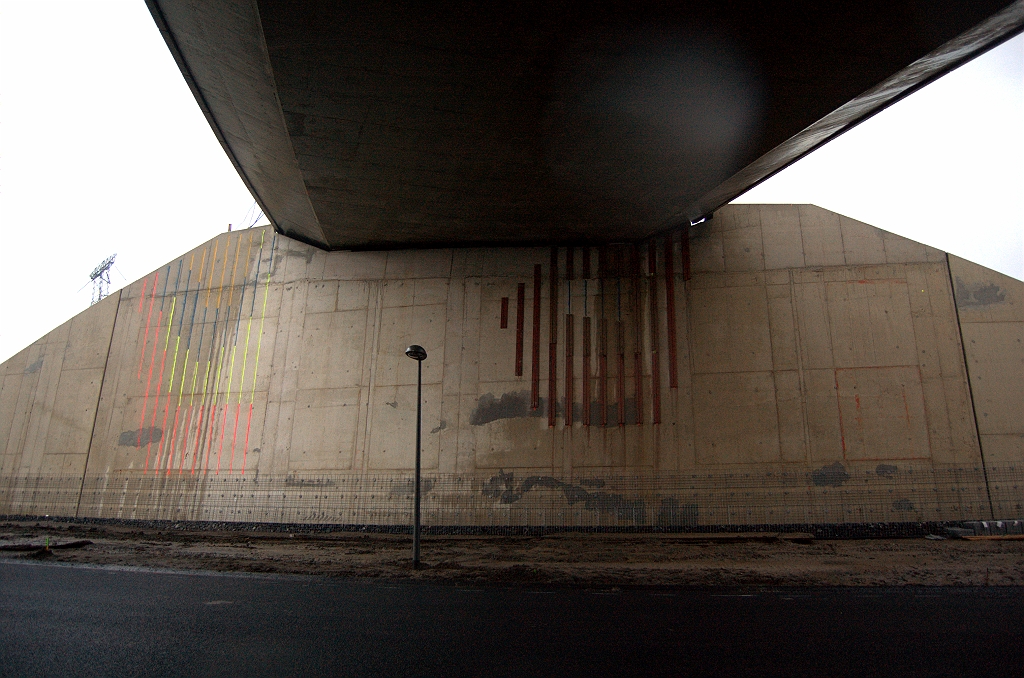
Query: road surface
pixel 91 621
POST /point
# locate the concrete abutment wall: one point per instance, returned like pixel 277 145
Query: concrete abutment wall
pixel 781 365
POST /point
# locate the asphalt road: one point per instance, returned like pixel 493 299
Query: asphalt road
pixel 60 620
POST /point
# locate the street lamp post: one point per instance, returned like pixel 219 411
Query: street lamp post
pixel 419 355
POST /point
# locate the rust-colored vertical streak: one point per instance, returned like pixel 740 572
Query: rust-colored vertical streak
pixel 552 383
pixel 652 258
pixel 621 390
pixel 535 390
pixel 638 362
pixel 570 265
pixel 569 341
pixel 602 396
pixel 520 321
pixel 553 299
pixel 670 310
pixel 684 252
pixel 504 313
pixel 586 370
pixel 585 253
pixel 553 338
pixel 638 378
pixel 655 367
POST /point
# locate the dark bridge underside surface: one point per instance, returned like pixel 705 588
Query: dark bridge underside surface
pixel 383 124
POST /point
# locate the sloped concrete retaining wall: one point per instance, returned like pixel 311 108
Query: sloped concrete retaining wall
pixel 780 364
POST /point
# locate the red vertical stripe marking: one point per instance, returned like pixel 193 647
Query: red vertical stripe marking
pixel 552 383
pixel 670 309
pixel 638 366
pixel 188 349
pixel 602 396
pixel 655 367
pixel 569 340
pixel 586 371
pixel 553 339
pixel 535 389
pixel 638 362
pixel 621 390
pixel 504 313
pixel 520 321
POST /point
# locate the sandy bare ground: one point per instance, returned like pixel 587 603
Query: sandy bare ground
pixel 560 559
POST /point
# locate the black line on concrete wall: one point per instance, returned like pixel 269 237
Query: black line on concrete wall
pixel 99 396
pixel 970 389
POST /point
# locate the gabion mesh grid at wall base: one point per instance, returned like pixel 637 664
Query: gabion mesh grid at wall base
pixel 830 495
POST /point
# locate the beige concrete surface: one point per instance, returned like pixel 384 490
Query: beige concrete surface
pixel 991 308
pixel 814 372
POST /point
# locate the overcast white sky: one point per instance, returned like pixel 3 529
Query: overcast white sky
pixel 104 150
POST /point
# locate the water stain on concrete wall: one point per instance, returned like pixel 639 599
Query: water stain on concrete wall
pixel 34 367
pixel 832 475
pixel 886 470
pixel 978 294
pixel 515 405
pixel 306 254
pixel 140 437
pixel 902 505
pixel 503 488
pixel 673 514
pixel 308 482
pixel 408 487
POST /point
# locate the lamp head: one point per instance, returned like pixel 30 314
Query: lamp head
pixel 416 352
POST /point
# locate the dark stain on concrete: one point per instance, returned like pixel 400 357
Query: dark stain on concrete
pixel 902 505
pixel 671 513
pixel 979 294
pixel 393 404
pixel 440 427
pixel 503 488
pixel 35 367
pixel 308 482
pixel 832 475
pixel 515 405
pixel 306 254
pixel 140 437
pixel 886 470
